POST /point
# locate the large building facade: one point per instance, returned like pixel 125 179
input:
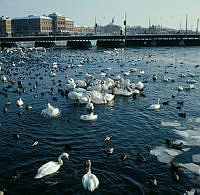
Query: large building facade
pixel 61 24
pixel 31 25
pixel 53 24
pixel 5 27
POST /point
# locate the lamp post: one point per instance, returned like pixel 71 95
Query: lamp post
pixel 125 27
pixel 197 29
pixel 186 23
pixel 95 26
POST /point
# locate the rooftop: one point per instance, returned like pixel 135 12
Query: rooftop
pixel 31 17
pixel 5 18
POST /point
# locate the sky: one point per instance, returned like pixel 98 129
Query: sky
pixel 168 13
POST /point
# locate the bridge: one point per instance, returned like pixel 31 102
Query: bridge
pixel 108 41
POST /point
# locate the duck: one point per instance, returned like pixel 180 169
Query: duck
pixel 90 181
pixel 153 181
pixel 176 176
pixel 16 136
pixel 182 114
pixel 124 156
pixel 177 146
pixel 50 111
pixel 51 167
pixel 107 138
pixel 35 143
pixel 89 117
pixel 155 106
pixel 165 103
pixel 20 102
pixel 110 151
pixel 168 142
pixel 141 158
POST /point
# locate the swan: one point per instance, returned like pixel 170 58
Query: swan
pixel 139 86
pixel 90 181
pixel 20 102
pixel 90 105
pixel 50 111
pixel 3 78
pixel 50 167
pixel 89 117
pixel 155 106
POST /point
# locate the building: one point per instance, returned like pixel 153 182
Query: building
pixel 31 25
pixel 110 29
pixel 69 26
pixel 5 27
pixel 82 30
pixel 61 24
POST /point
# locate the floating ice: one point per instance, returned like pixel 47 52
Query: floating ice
pixel 192 192
pixel 196 158
pixel 164 154
pixel 170 124
pixel 194 168
pixel 192 137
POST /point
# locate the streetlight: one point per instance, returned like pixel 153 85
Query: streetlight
pixel 125 26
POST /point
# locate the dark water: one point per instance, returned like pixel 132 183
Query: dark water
pixel 134 128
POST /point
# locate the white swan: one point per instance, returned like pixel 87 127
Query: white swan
pixel 155 106
pixel 90 105
pixel 50 167
pixel 90 181
pixel 50 111
pixel 89 117
pixel 139 85
pixel 20 102
pixel 3 78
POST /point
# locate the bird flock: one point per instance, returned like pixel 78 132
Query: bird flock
pixel 19 78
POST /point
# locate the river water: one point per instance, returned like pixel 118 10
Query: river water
pixel 134 128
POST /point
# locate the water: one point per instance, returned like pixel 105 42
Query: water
pixel 134 128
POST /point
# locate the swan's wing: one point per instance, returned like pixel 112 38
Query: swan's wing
pixel 47 169
pixel 90 182
pixel 85 181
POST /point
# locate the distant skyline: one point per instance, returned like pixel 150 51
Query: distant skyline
pixel 168 13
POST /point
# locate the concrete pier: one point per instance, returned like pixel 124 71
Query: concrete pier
pixel 45 44
pixel 110 43
pixel 79 44
pixel 4 45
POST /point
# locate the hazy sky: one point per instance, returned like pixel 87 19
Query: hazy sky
pixel 170 13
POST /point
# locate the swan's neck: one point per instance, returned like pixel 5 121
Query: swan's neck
pixel 88 170
pixel 60 159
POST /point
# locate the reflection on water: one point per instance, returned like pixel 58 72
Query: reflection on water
pixel 133 127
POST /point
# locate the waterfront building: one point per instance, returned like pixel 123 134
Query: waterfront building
pixel 60 24
pixel 81 30
pixel 5 27
pixel 31 25
pixel 109 29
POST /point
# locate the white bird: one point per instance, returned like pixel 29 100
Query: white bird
pixel 89 117
pixel 89 105
pixel 51 167
pixel 90 181
pixel 180 88
pixel 50 111
pixel 3 78
pixel 155 106
pixel 20 102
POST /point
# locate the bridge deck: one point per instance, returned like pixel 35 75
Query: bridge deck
pixel 98 37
